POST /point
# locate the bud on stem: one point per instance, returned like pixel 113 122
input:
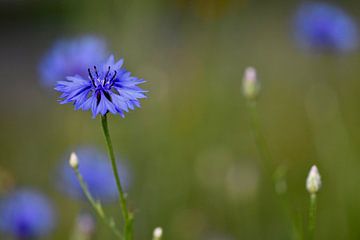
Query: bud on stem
pixel 157 234
pixel 313 185
pixel 251 86
pixel 74 161
pixel 313 181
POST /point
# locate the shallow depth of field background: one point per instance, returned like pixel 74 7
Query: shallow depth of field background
pixel 195 168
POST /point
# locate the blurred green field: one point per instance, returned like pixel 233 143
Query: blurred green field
pixel 190 148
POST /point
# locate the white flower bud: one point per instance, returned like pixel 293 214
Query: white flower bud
pixel 251 85
pixel 157 233
pixel 73 161
pixel 313 181
pixel 85 224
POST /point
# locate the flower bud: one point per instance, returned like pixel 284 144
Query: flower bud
pixel 313 181
pixel 251 85
pixel 84 228
pixel 157 233
pixel 73 161
pixel 85 224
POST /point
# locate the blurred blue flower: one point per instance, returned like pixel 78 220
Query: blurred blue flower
pixel 96 170
pixel 26 214
pixel 108 88
pixel 69 57
pixel 325 27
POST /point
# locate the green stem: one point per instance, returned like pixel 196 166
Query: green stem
pixel 267 163
pixel 128 217
pixel 312 216
pixel 96 205
pixel 260 140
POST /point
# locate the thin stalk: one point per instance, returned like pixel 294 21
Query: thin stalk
pixel 96 205
pixel 128 217
pixel 267 163
pixel 312 216
pixel 260 140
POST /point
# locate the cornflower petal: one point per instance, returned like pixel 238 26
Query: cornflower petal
pixel 109 88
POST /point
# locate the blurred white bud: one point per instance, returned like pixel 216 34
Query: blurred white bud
pixel 157 233
pixel 313 181
pixel 84 228
pixel 73 161
pixel 86 224
pixel 251 85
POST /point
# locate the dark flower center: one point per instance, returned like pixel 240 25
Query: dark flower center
pixel 23 229
pixel 102 82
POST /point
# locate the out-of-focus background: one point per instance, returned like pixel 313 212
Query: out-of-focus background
pixel 194 165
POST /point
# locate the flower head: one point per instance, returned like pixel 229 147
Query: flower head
pixel 74 161
pixel 108 88
pixel 251 86
pixel 70 57
pixel 325 27
pixel 157 234
pixel 26 214
pixel 313 181
pixel 96 170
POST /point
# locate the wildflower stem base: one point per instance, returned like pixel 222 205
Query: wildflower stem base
pixel 95 204
pixel 266 161
pixel 312 215
pixel 260 140
pixel 128 218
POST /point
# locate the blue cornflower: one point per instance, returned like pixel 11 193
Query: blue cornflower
pixel 26 214
pixel 69 57
pixel 97 173
pixel 108 88
pixel 325 27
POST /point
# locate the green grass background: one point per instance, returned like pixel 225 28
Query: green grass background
pixel 195 166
